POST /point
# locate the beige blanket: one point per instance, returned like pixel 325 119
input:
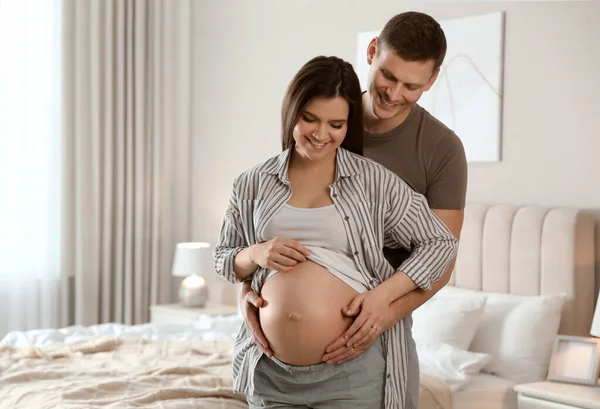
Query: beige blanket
pixel 134 373
pixel 434 394
pixel 116 373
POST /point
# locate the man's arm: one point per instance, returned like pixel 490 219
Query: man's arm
pixel 446 191
pixel 446 196
pixel 453 219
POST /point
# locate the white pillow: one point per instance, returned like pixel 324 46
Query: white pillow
pixel 452 365
pixel 448 319
pixel 518 332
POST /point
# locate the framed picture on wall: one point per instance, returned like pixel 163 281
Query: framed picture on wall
pixel 575 360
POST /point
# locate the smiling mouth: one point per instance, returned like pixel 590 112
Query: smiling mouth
pixel 385 103
pixel 318 145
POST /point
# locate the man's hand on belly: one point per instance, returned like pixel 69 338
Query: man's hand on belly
pixel 250 302
pixel 345 353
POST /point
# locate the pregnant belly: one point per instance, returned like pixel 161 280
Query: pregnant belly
pixel 303 312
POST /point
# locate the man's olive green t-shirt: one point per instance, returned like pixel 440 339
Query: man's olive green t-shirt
pixel 428 156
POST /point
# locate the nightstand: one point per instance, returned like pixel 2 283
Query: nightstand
pixel 178 314
pixel 557 395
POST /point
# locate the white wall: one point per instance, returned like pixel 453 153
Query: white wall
pixel 245 53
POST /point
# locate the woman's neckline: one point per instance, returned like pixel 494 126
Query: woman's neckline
pixel 308 208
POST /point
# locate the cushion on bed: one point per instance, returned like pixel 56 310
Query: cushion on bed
pixel 517 331
pixel 448 319
pixel 454 366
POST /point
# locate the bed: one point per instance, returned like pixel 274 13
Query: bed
pixel 535 268
pixel 513 263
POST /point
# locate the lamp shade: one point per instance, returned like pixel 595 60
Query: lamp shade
pixel 191 258
pixel 595 331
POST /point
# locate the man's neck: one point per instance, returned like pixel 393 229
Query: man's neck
pixel 375 125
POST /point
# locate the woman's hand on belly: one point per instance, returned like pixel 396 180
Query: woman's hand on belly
pixel 372 309
pixel 279 254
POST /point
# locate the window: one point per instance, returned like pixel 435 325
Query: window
pixel 30 165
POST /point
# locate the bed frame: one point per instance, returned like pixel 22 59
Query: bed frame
pixel 531 251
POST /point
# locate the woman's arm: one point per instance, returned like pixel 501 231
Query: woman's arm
pixel 236 260
pixel 410 224
pixel 432 244
pixel 279 254
pixel 231 253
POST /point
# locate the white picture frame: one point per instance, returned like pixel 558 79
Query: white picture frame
pixel 575 360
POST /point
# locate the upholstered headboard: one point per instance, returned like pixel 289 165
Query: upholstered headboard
pixel 531 251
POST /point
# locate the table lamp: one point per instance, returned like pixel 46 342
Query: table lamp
pixel 192 261
pixel 595 331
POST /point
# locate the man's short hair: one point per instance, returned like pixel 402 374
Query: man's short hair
pixel 415 36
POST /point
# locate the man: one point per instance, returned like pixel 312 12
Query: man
pixel 404 62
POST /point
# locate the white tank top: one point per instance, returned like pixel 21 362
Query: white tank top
pixel 322 231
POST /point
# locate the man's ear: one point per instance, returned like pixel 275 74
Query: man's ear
pixel 371 50
pixel 432 79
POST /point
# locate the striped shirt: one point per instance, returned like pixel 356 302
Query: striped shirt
pixel 380 209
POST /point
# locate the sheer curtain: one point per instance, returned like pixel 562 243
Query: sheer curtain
pixel 30 164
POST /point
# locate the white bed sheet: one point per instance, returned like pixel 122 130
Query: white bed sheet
pixel 486 391
pixel 205 327
pixel 482 391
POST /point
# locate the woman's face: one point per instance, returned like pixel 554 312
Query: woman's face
pixel 321 127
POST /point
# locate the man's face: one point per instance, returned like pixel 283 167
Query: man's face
pixel 395 84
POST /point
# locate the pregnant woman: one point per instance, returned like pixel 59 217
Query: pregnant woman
pixel 308 228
